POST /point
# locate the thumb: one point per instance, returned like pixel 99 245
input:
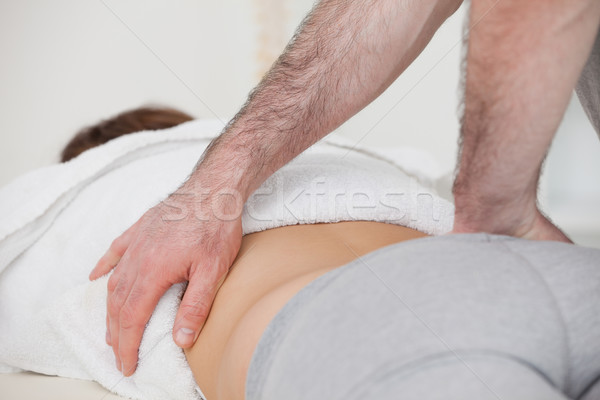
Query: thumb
pixel 195 306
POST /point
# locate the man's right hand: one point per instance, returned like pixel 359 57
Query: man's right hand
pixel 181 239
pixel 519 78
pixel 504 218
pixel 544 229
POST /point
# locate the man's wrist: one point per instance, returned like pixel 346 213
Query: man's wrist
pixel 493 209
pixel 204 201
pixel 227 164
pixel 219 185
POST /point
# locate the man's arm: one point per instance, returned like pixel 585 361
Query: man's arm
pixel 345 54
pixel 342 58
pixel 523 61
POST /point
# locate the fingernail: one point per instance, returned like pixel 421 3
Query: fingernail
pixel 184 337
pixel 108 337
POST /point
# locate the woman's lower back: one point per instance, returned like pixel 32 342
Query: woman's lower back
pixel 271 267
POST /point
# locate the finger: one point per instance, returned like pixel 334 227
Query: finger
pixel 195 306
pixel 109 342
pixel 119 286
pixel 112 256
pixel 107 330
pixel 106 263
pixel 134 315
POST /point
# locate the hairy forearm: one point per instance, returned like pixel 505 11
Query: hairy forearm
pixel 343 56
pixel 523 60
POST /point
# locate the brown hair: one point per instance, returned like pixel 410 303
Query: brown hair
pixel 139 119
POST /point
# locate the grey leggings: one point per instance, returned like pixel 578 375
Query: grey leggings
pixel 454 317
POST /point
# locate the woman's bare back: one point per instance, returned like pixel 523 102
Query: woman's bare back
pixel 271 267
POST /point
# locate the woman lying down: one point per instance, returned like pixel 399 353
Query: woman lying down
pixel 336 292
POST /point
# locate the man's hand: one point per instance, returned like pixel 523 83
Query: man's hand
pixel 523 60
pixel 526 222
pixel 181 239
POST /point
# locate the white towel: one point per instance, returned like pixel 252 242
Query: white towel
pixel 60 219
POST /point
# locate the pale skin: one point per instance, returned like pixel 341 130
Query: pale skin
pixel 524 59
pixel 325 76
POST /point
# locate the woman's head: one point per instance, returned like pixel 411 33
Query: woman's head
pixel 139 119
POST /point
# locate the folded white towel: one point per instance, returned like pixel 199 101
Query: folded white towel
pixel 62 218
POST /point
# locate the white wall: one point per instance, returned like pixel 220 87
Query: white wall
pixel 68 63
pixel 570 187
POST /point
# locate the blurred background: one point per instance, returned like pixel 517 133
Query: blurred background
pixel 70 63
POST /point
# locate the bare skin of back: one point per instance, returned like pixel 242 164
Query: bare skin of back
pixel 271 267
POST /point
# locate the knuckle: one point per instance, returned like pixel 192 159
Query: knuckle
pixel 112 282
pixel 194 312
pixel 211 275
pixel 113 307
pixel 118 294
pixel 147 269
pixel 128 318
